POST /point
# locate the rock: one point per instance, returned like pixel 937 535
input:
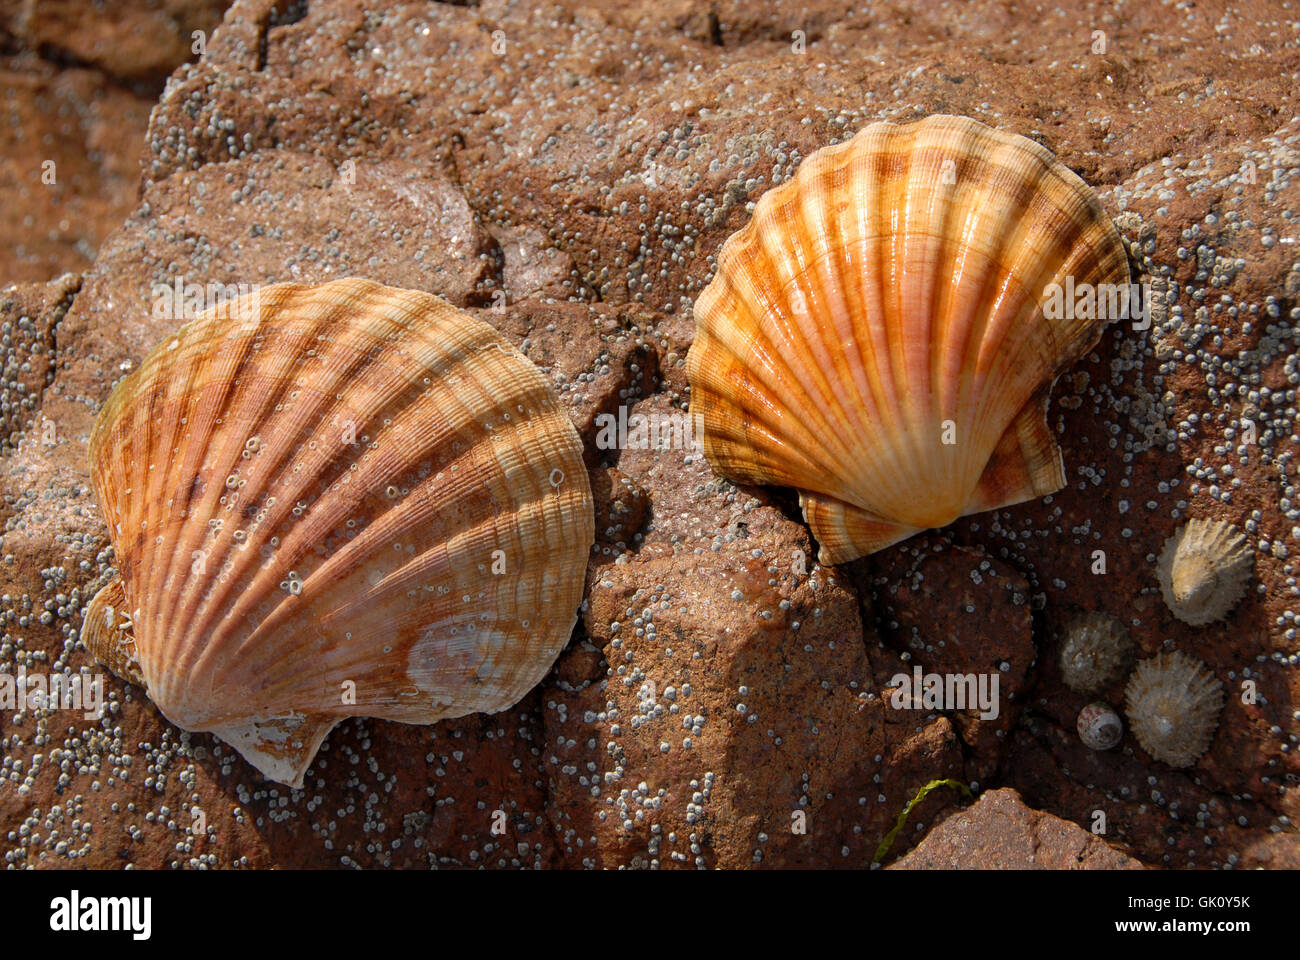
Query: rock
pixel 1000 833
pixel 29 316
pixel 621 508
pixel 77 88
pixel 532 267
pixel 957 613
pixel 130 41
pixel 68 171
pixel 1279 851
pixel 735 721
pixel 269 219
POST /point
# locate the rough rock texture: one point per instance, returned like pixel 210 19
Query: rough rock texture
pixel 957 611
pixel 77 81
pixel 130 41
pixel 568 173
pixel 29 315
pixel 1000 833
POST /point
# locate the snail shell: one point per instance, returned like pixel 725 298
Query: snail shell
pixel 1204 570
pixel 333 501
pixel 1099 726
pixel 875 336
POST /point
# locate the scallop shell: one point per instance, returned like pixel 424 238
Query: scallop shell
pixel 1203 570
pixel 1173 704
pixel 875 335
pixel 333 501
pixel 1099 726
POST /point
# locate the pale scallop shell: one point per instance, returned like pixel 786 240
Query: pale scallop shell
pixel 875 336
pixel 333 501
pixel 1204 570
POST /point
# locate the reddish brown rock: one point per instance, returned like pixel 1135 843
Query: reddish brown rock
pixel 68 174
pixel 76 87
pixel 268 219
pixel 621 506
pixel 954 612
pixel 29 316
pixel 131 41
pixel 736 720
pixel 1000 833
pixel 1279 851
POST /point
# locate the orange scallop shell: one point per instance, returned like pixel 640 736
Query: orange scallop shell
pixel 875 336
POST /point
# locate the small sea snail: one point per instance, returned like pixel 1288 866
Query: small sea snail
pixel 1099 726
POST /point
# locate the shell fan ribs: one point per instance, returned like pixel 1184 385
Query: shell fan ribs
pixel 332 501
pixel 875 336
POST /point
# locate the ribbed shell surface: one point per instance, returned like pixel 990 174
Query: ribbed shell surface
pixel 875 338
pixel 332 501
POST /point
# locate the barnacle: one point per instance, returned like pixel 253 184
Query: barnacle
pixel 1096 650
